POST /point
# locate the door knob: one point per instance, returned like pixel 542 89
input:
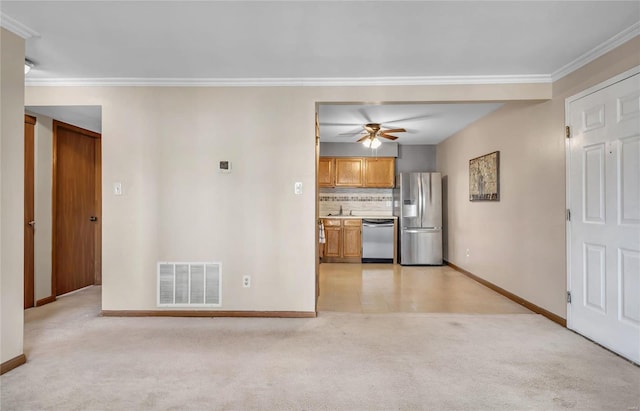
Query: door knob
pixel 32 223
pixel 93 218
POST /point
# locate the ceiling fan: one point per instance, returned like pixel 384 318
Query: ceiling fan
pixel 373 131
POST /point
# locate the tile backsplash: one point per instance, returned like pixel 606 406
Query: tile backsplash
pixel 362 201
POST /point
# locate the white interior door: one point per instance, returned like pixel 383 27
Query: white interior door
pixel 604 230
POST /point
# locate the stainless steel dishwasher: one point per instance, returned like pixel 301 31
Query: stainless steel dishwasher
pixel 377 240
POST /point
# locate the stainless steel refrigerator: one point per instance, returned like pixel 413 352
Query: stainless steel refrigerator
pixel 417 202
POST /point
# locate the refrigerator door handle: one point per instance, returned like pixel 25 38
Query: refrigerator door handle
pixel 420 200
pixel 421 230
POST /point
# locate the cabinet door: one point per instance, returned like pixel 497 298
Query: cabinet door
pixel 352 236
pixel 349 172
pixel 379 172
pixel 326 172
pixel 333 238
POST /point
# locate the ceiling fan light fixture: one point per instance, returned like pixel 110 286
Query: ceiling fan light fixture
pixel 372 143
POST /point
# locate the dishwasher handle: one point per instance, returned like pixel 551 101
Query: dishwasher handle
pixel 377 225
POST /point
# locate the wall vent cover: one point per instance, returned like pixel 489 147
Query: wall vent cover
pixel 191 285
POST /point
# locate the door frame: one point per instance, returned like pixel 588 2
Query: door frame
pixel 567 121
pixel 317 212
pixel 97 201
pixel 29 204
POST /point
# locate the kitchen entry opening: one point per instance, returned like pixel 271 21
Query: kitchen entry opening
pixel 379 210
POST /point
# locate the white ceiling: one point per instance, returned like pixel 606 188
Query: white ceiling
pixel 425 123
pixel 311 39
pixel 87 117
pixel 319 43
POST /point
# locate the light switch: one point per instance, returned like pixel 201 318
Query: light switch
pixel 297 188
pixel 117 188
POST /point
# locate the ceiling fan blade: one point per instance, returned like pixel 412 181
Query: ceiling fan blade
pixel 341 124
pixel 363 138
pixel 388 137
pixel 365 115
pixel 351 133
pixel 419 117
pixel 393 130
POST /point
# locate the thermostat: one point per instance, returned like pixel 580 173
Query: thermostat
pixel 224 167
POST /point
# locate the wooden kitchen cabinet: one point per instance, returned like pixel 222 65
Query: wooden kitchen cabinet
pixel 343 240
pixel 368 172
pixel 326 172
pixel 349 172
pixel 352 238
pixel 333 238
pixel 379 172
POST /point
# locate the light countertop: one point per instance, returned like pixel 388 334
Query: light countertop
pixel 360 217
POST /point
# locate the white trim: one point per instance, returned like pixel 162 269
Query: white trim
pixel 567 224
pixel 567 121
pixel 615 79
pixel 16 27
pixel 615 41
pixel 290 82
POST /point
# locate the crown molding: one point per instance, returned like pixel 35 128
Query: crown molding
pixel 615 41
pixel 16 27
pixel 290 82
pixel 589 56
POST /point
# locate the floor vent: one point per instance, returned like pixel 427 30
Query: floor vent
pixel 190 285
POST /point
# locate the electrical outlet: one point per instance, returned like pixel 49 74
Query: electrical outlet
pixel 246 281
pixel 468 252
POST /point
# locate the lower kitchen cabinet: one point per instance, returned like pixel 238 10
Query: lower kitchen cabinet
pixel 343 240
pixel 333 238
pixel 352 238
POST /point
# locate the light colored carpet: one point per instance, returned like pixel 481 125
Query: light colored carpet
pixel 79 360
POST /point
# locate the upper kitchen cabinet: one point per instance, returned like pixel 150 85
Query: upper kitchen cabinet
pixel 326 172
pixel 379 172
pixel 368 172
pixel 349 172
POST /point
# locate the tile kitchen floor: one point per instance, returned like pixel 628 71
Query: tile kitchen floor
pixel 391 288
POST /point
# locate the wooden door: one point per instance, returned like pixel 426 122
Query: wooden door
pixel 604 228
pixel 76 207
pixel 379 172
pixel 29 223
pixel 349 172
pixel 352 238
pixel 333 238
pixel 326 172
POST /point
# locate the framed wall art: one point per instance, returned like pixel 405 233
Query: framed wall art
pixel 484 177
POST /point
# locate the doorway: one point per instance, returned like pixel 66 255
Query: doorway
pixel 76 208
pixel 603 231
pixel 346 196
pixel 55 196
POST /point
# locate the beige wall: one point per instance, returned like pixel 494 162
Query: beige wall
pixel 11 195
pixel 164 143
pixel 519 242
